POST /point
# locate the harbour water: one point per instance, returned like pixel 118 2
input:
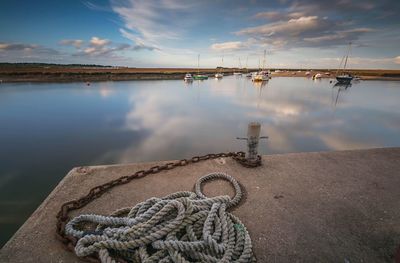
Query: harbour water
pixel 46 129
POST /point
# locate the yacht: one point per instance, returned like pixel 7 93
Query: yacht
pixel 240 68
pixel 218 75
pixel 317 76
pixel 262 75
pixel 188 77
pixel 199 76
pixel 344 78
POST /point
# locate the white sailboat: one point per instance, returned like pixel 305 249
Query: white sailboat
pixel 219 75
pixel 240 67
pixel 248 74
pixel 262 75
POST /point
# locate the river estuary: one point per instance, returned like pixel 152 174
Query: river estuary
pixel 47 129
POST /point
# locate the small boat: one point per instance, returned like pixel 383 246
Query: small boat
pixel 240 68
pixel 308 73
pixel 344 78
pixel 327 74
pixel 263 75
pixel 317 76
pixel 199 76
pixel 188 77
pixel 218 75
pixel 248 74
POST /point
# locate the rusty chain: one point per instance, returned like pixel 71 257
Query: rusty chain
pixel 62 216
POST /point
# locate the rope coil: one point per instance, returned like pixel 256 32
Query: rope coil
pixel 180 227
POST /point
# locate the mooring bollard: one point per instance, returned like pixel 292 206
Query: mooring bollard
pixel 253 138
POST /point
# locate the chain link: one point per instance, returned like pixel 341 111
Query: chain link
pixel 94 193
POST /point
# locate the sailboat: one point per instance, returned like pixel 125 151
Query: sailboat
pixel 199 76
pixel 344 78
pixel 248 74
pixel 220 75
pixel 240 67
pixel 262 75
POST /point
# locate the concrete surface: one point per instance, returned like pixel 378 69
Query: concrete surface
pixel 304 207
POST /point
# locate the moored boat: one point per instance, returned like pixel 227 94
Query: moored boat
pixel 218 75
pixel 200 77
pixel 262 75
pixel 188 77
pixel 317 76
pixel 344 78
pixel 347 78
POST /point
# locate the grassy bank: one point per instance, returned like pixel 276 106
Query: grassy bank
pixel 12 73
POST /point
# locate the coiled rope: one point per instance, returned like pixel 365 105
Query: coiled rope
pixel 180 227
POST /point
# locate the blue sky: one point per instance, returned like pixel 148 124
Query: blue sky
pixel 171 33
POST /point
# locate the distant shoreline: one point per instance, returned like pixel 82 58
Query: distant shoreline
pixel 93 74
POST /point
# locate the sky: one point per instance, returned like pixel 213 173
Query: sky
pixel 230 33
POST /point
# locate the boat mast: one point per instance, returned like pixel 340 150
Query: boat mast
pixel 247 59
pixel 264 60
pixel 347 56
pixel 198 64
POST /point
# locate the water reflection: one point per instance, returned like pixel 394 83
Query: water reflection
pixel 339 87
pixel 49 128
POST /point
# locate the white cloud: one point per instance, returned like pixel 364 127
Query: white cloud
pixel 98 42
pixel 152 23
pixel 292 27
pixel 227 46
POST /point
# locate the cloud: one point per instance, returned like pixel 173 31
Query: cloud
pixel 27 48
pixel 292 27
pixel 96 7
pixel 397 60
pixel 98 42
pixel 150 24
pixel 294 30
pixel 276 15
pixel 338 37
pixel 227 46
pixel 99 47
pixel 71 42
pixel 17 47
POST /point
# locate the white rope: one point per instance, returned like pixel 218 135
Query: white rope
pixel 181 227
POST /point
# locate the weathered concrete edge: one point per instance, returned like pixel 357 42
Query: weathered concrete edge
pixel 74 170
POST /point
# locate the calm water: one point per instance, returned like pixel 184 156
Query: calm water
pixel 46 129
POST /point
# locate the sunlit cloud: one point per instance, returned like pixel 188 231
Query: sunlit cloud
pixel 228 46
pixel 99 42
pixel 149 22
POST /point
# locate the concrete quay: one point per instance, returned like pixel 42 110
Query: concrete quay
pixel 339 206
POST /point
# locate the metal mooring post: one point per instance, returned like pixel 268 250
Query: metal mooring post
pixel 253 138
